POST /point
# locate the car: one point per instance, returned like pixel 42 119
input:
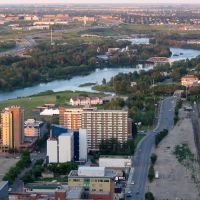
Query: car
pixel 129 194
pixel 137 192
pixel 132 183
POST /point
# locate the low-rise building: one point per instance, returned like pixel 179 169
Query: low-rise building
pixel 84 19
pixel 32 128
pixel 115 162
pixel 37 27
pixel 49 112
pixel 98 182
pixel 23 196
pixel 31 18
pixel 189 80
pixel 158 60
pixel 82 100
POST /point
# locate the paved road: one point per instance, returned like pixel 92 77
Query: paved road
pixel 21 45
pixel 143 152
pixel 18 184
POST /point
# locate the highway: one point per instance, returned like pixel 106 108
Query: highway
pixel 142 155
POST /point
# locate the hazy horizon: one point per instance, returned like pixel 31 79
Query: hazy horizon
pixel 99 1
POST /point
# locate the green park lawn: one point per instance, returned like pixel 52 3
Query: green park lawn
pixel 29 103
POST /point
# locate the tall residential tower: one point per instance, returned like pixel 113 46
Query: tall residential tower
pixel 12 121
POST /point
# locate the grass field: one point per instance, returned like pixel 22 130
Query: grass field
pixel 28 103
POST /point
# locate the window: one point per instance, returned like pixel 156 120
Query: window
pixel 76 180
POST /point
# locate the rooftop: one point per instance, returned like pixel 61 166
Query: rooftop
pixel 108 173
pixel 108 111
pixel 115 156
pixel 189 76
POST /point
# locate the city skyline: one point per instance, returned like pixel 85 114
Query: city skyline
pixel 98 1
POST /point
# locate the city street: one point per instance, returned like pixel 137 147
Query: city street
pixel 143 152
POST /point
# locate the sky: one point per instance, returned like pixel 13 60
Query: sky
pixel 96 1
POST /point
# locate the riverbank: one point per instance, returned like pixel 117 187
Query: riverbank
pixel 31 102
pixel 73 84
pixel 95 77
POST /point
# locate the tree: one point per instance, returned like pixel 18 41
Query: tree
pixel 104 81
pixel 134 129
pixel 28 178
pixel 153 158
pixel 151 174
pixel 149 196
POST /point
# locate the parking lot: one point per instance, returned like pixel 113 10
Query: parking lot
pixel 5 164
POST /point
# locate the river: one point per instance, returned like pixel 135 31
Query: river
pixel 96 76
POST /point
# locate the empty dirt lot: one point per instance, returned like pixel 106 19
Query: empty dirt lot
pixel 5 164
pixel 175 181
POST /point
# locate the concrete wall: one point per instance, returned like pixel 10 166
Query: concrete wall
pixel 52 151
pixel 83 144
pixel 66 148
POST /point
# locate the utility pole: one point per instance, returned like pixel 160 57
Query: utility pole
pixel 186 92
pixel 52 43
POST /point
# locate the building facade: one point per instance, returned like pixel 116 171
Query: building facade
pixel 105 124
pixel 97 181
pixel 71 117
pixel 100 124
pixel 189 80
pixel 32 128
pixel 66 145
pixel 82 100
pixel 12 120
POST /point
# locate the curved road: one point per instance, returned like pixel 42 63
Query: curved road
pixel 139 171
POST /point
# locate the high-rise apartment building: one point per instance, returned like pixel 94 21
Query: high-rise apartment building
pixel 105 124
pixel 71 117
pixel 12 120
pixel 100 124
